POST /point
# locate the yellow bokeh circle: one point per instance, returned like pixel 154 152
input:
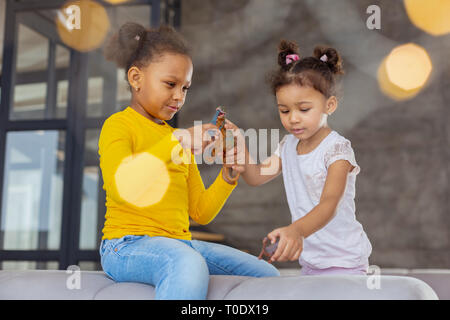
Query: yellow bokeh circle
pixel 142 179
pixel 432 16
pixel 116 1
pixel 405 71
pixel 82 25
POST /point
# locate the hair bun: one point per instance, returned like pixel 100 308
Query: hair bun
pixel 286 48
pixel 333 59
pixel 124 44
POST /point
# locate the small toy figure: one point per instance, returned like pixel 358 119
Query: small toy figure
pixel 227 138
pixel 268 250
pixel 219 118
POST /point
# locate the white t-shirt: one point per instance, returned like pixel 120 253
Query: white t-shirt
pixel 342 242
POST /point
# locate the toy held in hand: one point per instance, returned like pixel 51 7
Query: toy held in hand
pixel 219 121
pixel 268 250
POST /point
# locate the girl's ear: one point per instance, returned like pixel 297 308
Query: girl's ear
pixel 135 78
pixel 331 105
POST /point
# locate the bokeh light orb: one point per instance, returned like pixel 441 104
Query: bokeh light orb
pixel 431 16
pixel 116 1
pixel 405 71
pixel 82 25
pixel 142 179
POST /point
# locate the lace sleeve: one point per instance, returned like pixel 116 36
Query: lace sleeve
pixel 280 145
pixel 342 150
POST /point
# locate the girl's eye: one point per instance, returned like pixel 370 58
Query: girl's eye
pixel 170 84
pixel 304 110
pixel 284 111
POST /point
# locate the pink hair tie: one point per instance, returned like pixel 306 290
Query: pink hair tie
pixel 324 58
pixel 291 58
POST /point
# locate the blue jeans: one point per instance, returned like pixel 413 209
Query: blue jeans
pixel 178 269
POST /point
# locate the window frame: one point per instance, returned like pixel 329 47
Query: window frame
pixel 74 125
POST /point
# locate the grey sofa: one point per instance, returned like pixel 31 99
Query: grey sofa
pixel 438 279
pixel 95 285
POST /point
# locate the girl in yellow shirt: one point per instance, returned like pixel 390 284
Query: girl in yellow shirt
pixel 150 194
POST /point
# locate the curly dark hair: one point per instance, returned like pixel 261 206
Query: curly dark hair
pixel 134 45
pixel 318 71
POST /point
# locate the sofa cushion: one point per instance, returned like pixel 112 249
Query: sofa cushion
pixel 438 279
pixel 332 287
pixel 59 285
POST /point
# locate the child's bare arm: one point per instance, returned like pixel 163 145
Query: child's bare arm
pixel 332 193
pixel 258 174
pixel 291 236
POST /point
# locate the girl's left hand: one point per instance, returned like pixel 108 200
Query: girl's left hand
pixel 193 138
pixel 290 245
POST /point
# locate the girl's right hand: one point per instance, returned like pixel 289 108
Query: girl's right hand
pixel 235 157
pixel 197 138
pixel 290 245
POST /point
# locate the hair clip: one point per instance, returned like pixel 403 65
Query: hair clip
pixel 137 37
pixel 291 58
pixel 324 58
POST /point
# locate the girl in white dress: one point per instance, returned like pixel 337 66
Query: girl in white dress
pixel 318 165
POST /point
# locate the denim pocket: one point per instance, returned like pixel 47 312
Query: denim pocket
pixel 121 243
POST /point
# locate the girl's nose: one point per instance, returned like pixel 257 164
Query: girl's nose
pixel 178 95
pixel 294 117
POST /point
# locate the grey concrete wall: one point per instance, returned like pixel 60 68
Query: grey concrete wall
pixel 402 196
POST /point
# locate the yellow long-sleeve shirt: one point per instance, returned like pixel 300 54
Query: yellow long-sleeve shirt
pixel 147 192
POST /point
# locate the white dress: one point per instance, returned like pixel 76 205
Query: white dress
pixel 342 242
